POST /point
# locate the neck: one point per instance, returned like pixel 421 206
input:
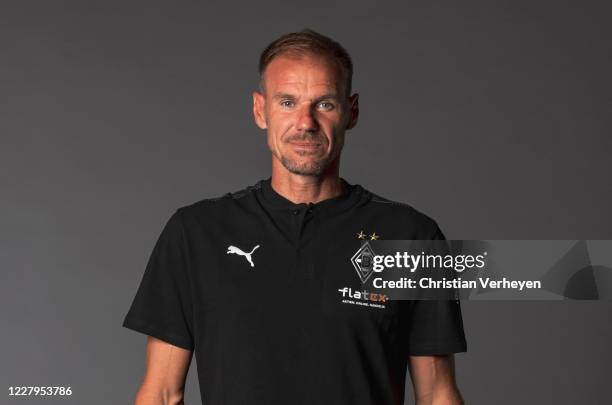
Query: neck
pixel 307 189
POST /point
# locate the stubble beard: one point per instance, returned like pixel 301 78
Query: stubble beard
pixel 311 168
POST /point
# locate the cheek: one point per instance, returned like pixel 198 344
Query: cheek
pixel 279 123
pixel 276 132
pixel 333 130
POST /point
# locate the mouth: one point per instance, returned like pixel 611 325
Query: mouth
pixel 305 145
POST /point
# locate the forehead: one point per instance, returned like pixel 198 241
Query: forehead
pixel 300 73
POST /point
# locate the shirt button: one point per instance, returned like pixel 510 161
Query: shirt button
pixel 296 211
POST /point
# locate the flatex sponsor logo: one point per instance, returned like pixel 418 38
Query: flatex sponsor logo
pixel 350 296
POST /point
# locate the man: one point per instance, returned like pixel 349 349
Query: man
pixel 252 281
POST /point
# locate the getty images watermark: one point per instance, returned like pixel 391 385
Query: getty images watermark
pixel 500 269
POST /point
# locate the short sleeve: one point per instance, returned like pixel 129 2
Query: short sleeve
pixel 162 307
pixel 434 327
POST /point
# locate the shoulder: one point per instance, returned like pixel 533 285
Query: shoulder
pixel 224 204
pixel 422 225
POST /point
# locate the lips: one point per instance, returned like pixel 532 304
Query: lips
pixel 306 147
pixel 306 144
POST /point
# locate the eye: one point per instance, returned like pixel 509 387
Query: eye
pixel 287 103
pixel 326 106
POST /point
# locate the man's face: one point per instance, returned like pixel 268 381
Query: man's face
pixel 305 111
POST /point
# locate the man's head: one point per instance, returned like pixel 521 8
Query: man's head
pixel 304 101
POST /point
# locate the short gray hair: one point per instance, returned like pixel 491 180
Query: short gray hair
pixel 308 42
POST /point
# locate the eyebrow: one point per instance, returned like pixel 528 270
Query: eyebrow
pixel 280 96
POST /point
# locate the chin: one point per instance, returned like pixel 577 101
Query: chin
pixel 309 168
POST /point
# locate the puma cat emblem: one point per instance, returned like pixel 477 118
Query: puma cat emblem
pixel 237 251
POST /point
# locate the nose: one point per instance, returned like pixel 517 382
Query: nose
pixel 307 121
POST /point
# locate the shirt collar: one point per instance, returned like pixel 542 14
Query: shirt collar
pixel 352 194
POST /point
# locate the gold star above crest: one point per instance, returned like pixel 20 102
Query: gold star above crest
pixel 374 236
pixel 361 235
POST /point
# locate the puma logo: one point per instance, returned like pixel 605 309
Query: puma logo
pixel 238 251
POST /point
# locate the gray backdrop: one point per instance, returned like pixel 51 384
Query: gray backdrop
pixel 493 119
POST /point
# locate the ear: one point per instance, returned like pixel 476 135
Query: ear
pixel 353 111
pixel 259 105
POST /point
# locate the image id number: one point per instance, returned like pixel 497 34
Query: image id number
pixel 40 391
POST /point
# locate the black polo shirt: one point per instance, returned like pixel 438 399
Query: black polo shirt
pixel 253 284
